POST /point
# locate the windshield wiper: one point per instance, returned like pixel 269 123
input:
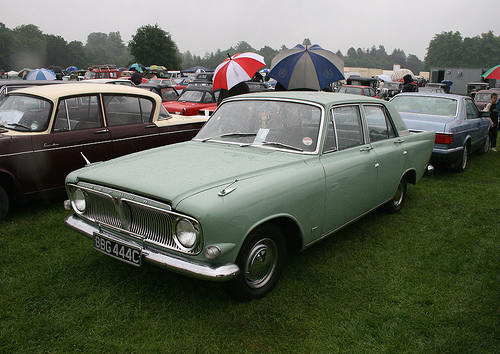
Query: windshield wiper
pixel 19 125
pixel 228 135
pixel 275 143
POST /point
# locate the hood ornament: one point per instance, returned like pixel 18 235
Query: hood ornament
pixel 226 190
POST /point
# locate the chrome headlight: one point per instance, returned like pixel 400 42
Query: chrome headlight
pixel 187 233
pixel 78 200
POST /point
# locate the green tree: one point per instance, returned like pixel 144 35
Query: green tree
pixel 445 49
pixel 152 45
pixel 77 56
pixel 5 48
pixel 29 47
pixel 57 51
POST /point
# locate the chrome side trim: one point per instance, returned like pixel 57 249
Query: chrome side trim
pixel 219 273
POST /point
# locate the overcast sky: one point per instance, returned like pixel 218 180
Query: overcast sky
pixel 202 26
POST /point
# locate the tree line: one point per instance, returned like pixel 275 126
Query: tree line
pixel 26 46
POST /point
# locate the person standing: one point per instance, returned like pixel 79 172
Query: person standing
pixel 492 107
pixel 409 86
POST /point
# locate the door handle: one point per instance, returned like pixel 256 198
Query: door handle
pixel 151 126
pixel 399 141
pixel 367 148
pixel 102 131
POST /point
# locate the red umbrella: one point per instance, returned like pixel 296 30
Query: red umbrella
pixel 236 69
pixel 493 73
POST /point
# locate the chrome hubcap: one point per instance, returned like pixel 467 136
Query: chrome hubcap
pixel 261 263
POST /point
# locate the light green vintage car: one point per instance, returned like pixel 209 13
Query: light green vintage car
pixel 268 173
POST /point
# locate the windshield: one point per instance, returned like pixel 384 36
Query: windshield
pixel 482 97
pixel 265 123
pixel 436 106
pixel 25 113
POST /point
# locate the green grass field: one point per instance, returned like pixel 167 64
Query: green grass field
pixel 426 280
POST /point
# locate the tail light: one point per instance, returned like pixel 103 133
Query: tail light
pixel 446 139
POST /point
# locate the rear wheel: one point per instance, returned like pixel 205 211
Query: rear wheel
pixel 261 261
pixel 461 162
pixel 486 146
pixel 4 203
pixel 394 205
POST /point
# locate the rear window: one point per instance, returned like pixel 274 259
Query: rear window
pixel 436 106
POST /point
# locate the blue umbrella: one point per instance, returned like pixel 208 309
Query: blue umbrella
pixel 71 68
pixel 41 74
pixel 306 67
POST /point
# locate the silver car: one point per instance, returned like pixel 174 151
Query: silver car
pixel 460 127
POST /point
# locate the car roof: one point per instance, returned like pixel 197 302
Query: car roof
pixel 435 94
pixel 323 98
pixel 53 92
pixel 490 90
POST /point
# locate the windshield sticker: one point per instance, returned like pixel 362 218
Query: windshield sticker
pixel 307 141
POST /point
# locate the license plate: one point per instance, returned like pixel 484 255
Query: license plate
pixel 118 250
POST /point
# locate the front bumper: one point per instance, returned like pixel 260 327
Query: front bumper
pixel 196 269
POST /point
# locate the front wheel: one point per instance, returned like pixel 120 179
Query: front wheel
pixel 394 205
pixel 261 261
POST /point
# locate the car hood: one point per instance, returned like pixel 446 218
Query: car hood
pixel 416 121
pixel 173 173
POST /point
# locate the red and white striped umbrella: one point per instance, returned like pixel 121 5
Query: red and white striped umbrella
pixel 236 69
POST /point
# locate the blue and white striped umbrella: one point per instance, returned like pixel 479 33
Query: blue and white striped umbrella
pixel 41 74
pixel 306 67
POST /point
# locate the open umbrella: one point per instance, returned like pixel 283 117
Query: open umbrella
pixel 398 75
pixel 71 68
pixel 236 69
pixel 385 78
pixel 306 66
pixel 493 73
pixel 41 74
pixel 157 67
pixel 139 67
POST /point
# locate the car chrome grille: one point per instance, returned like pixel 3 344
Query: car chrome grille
pixel 144 219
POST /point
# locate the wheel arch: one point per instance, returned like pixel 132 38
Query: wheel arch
pixel 290 228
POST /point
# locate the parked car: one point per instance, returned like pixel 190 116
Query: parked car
pixel 44 131
pixel 269 173
pixel 358 90
pixel 474 87
pixel 120 81
pixel 166 92
pixel 431 89
pixel 460 127
pixel 7 86
pixel 483 97
pixel 170 82
pixel 391 89
pixel 102 72
pixel 193 99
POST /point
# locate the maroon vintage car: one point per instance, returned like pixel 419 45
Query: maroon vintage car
pixel 193 99
pixel 47 132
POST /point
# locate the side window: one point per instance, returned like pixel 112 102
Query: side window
pixel 347 120
pixel 472 111
pixel 379 126
pixel 123 110
pixel 76 113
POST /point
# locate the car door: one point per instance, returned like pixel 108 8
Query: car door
pixel 77 129
pixel 350 170
pixel 389 148
pixel 478 126
pixel 129 120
